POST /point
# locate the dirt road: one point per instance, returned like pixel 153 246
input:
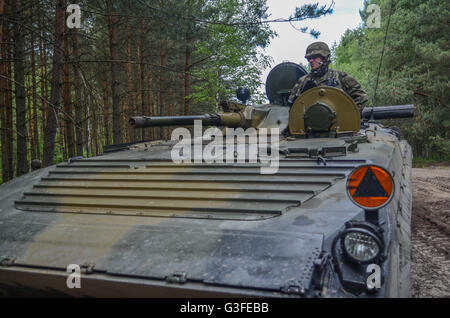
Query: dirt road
pixel 430 271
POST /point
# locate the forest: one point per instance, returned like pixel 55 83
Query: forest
pixel 68 91
pixel 405 61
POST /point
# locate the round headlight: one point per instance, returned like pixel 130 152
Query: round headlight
pixel 360 245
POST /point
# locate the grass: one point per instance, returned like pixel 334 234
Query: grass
pixel 419 162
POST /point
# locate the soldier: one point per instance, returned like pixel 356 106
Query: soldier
pixel 318 55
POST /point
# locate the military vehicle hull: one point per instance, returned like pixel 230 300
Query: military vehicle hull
pixel 139 225
pixel 135 223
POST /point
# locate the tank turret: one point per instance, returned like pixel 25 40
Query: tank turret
pixel 319 112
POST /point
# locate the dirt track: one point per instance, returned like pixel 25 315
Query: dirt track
pixel 430 271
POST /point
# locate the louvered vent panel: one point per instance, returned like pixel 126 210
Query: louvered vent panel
pixel 164 189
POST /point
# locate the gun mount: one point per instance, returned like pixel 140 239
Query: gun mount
pixel 319 112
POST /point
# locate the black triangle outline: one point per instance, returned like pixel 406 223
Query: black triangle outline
pixel 370 186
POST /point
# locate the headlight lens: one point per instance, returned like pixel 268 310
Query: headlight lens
pixel 360 245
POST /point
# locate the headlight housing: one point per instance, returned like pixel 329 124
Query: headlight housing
pixel 361 245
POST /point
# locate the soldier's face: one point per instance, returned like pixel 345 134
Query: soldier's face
pixel 315 61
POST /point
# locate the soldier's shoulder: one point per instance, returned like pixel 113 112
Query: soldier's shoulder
pixel 341 74
pixel 303 78
pixel 346 79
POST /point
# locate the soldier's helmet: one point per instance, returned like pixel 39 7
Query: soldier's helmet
pixel 318 48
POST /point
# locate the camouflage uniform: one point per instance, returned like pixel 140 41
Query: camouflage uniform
pixel 333 78
pixel 325 77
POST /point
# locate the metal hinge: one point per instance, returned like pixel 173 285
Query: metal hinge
pixel 321 159
pixel 74 158
pixel 177 278
pixel 87 268
pixel 7 261
pixel 353 147
pixel 321 261
pixel 320 264
pixel 293 288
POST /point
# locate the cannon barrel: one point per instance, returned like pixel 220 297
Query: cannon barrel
pixel 144 121
pixel 229 119
pixel 388 112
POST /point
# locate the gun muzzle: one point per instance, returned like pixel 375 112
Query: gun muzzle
pixel 388 112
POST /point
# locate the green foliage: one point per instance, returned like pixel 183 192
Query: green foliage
pixel 420 162
pixel 414 68
pixel 311 11
pixel 166 49
pixel 231 48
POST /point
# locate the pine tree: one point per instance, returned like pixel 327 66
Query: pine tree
pixel 413 70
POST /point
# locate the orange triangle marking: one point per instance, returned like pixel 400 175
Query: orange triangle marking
pixel 370 190
pixel 384 179
pixel 356 178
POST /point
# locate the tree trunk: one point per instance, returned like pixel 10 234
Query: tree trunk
pixel 19 78
pixel 93 126
pixel 67 102
pixel 6 140
pixel 186 69
pixel 106 112
pixel 171 113
pixel 161 80
pixel 78 97
pixel 58 57
pixel 142 78
pixel 125 129
pixel 149 99
pixel 9 149
pixel 29 121
pixel 131 110
pixel 43 75
pixel 86 124
pixel 60 147
pixel 113 44
pixel 37 152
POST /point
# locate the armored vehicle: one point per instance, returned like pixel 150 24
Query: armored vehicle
pixel 308 200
